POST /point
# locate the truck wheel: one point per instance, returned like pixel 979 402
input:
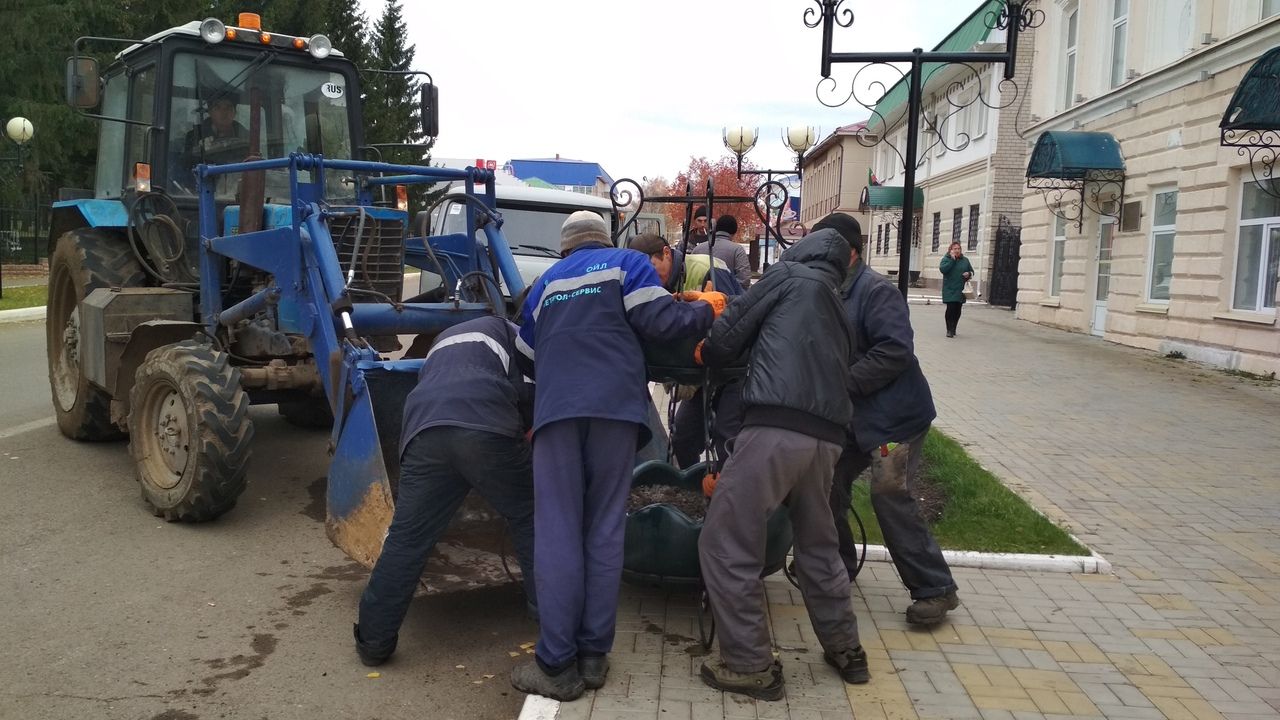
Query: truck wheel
pixel 311 413
pixel 189 432
pixel 85 259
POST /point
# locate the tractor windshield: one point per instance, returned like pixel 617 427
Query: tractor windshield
pixel 299 110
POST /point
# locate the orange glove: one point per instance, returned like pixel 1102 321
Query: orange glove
pixel 717 300
pixel 697 352
pixel 709 483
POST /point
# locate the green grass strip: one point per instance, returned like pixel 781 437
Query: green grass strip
pixel 24 297
pixel 980 514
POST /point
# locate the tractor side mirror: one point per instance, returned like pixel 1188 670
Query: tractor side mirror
pixel 84 86
pixel 431 110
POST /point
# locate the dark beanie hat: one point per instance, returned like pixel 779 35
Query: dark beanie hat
pixel 727 224
pixel 700 212
pixel 846 225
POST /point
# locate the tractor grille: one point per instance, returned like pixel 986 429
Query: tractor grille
pixel 379 262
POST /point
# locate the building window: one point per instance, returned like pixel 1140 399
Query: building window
pixel 1164 217
pixel 937 231
pixel 957 216
pixel 879 237
pixel 1059 251
pixel 1257 251
pixel 1171 31
pixel 898 251
pixel 980 111
pixel 1069 64
pixel 1269 8
pixel 1119 40
pixel 973 228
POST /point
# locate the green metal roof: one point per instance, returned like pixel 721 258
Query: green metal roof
pixel 1256 102
pixel 1071 155
pixel 972 31
pixel 540 183
pixel 888 196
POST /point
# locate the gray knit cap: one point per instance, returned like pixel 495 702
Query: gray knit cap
pixel 582 228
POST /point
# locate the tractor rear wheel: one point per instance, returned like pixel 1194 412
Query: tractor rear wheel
pixel 189 432
pixel 85 259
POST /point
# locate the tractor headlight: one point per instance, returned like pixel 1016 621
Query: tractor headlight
pixel 320 46
pixel 213 31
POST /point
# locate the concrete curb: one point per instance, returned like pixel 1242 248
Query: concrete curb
pixel 31 313
pixel 1092 564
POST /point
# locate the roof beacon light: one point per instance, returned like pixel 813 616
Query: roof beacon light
pixel 250 21
pixel 402 198
pixel 320 46
pixel 213 31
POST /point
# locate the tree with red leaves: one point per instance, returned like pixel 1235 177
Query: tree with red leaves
pixel 724 176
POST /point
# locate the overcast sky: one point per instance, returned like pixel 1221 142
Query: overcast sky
pixel 641 85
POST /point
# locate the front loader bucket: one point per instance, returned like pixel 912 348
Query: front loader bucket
pixel 363 481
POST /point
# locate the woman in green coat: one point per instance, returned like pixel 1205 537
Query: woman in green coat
pixel 956 271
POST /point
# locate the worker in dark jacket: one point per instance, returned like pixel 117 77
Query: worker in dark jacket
pixel 892 412
pixel 797 407
pixel 731 253
pixel 679 272
pixel 585 319
pixel 464 429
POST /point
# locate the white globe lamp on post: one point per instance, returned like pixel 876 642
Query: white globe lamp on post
pixel 20 130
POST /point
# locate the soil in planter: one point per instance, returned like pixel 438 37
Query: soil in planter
pixel 689 502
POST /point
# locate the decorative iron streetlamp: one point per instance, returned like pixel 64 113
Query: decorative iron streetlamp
pixel 741 139
pixel 1013 16
pixel 19 130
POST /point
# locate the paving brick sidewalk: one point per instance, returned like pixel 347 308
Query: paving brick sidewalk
pixel 1170 471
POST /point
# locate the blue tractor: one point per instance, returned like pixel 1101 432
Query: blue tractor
pixel 235 251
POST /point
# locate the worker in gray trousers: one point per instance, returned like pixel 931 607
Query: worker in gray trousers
pixel 796 408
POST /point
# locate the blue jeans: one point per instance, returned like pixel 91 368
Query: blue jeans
pixel 915 553
pixel 439 467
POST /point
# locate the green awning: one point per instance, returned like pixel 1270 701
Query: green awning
pixel 875 197
pixel 1256 102
pixel 1071 155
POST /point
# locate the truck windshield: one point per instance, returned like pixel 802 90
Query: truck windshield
pixel 528 230
pixel 299 110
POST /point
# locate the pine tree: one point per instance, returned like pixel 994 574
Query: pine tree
pixel 393 110
pixel 344 23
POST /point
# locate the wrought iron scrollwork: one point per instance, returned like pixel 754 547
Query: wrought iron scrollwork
pixel 622 194
pixel 814 16
pixel 1101 191
pixel 769 201
pixel 1027 17
pixel 1260 147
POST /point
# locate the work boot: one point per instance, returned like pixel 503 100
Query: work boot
pixel 593 670
pixel 529 677
pixel 931 611
pixel 370 656
pixel 851 664
pixel 764 685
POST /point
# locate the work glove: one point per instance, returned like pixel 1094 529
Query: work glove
pixel 709 483
pixel 686 392
pixel 717 300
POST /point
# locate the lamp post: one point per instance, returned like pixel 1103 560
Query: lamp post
pixel 741 139
pixel 1011 16
pixel 19 130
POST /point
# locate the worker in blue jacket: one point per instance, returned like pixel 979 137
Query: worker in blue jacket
pixel 586 318
pixel 464 428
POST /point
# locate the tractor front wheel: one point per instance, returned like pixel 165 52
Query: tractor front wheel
pixel 189 432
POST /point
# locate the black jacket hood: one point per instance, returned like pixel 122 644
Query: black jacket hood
pixel 822 250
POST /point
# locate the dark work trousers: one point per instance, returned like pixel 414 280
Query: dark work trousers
pixel 915 553
pixel 688 442
pixel 770 465
pixel 953 316
pixel 439 467
pixel 582 476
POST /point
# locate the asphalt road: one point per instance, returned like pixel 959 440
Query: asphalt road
pixel 107 612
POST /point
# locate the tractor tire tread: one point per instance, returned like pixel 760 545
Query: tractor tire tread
pixel 223 432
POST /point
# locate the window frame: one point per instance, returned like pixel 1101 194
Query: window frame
pixel 937 232
pixel 973 230
pixel 1071 56
pixel 1267 223
pixel 957 218
pixel 1171 231
pixel 1118 23
pixel 1057 256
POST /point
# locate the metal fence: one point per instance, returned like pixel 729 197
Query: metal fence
pixel 24 235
